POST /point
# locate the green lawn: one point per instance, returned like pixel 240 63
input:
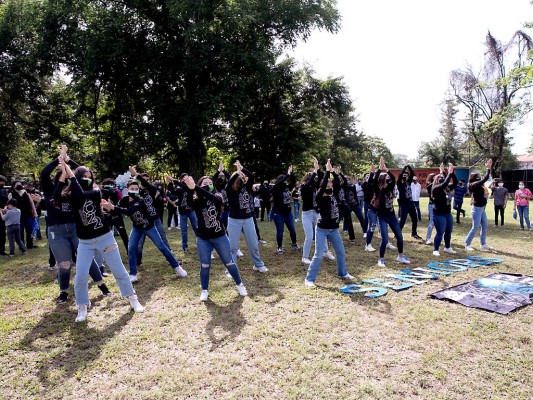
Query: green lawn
pixel 282 342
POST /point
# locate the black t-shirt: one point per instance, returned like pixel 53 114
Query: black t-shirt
pixel 404 187
pixel 440 193
pixel 479 192
pixel 207 207
pixel 328 205
pixel 308 192
pixel 240 201
pixel 148 194
pixel 90 222
pixel 383 200
pixel 138 212
pixel 281 196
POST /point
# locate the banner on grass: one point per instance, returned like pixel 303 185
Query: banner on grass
pixel 500 293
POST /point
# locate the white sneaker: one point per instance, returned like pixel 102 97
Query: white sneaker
pixel 328 255
pixel 212 256
pixel 134 303
pixel 449 250
pixel 262 269
pixel 369 248
pixel 390 246
pixel 347 277
pixel 204 295
pixel 239 253
pixel 469 248
pixel 133 278
pixel 364 235
pixel 82 313
pixel 381 262
pixel 228 275
pixel 169 228
pixel 180 271
pixel 242 290
pixel 305 260
pixel 309 284
pixel 403 259
pixel 429 241
pixel 486 247
pixel 262 241
pixel 436 253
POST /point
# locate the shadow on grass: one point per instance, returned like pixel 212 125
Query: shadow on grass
pixel 229 318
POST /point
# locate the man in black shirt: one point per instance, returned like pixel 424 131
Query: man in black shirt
pixel 3 203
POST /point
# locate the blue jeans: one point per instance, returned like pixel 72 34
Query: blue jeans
pixel 159 226
pixel 322 235
pixel 309 220
pixel 444 226
pixel 365 220
pixel 63 242
pixel 429 231
pixel 153 234
pixel 359 214
pixel 183 225
pixel 279 221
pixel 523 212
pixel 296 209
pixel 384 222
pixel 479 218
pixel 371 222
pixel 221 245
pixel 247 227
pixel 107 246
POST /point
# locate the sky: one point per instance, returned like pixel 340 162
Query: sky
pixel 396 58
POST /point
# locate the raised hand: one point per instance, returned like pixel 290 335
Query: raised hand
pixel 315 163
pixel 329 167
pixel 372 168
pixel 221 165
pixel 450 168
pixel 189 181
pixel 441 167
pixel 289 171
pixel 132 170
pixel 382 163
pixel 238 165
pixel 488 164
pixel 106 205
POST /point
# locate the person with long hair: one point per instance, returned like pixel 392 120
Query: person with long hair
pixel 211 234
pixel 281 211
pixel 136 208
pixel 442 209
pixel 383 203
pixel 476 186
pixel 241 212
pixel 114 220
pixel 28 212
pixel 308 187
pixel 352 205
pixel 61 227
pixel 405 199
pixel 328 228
pixel 94 236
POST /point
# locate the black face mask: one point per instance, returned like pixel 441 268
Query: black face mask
pixel 2 185
pixel 19 187
pixel 86 183
pixel 133 194
pixel 329 191
pixel 143 192
pixel 208 188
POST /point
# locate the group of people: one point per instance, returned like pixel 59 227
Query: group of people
pixel 81 217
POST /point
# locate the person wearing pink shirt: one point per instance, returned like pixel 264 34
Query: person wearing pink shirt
pixel 521 204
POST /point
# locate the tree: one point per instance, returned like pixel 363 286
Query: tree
pixel 496 96
pixel 447 147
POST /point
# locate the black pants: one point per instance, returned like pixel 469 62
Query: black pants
pixel 265 205
pixel 501 211
pixel 408 209
pixel 2 236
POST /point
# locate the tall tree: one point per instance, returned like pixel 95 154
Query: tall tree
pixel 496 96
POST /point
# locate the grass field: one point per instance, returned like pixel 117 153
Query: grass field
pixel 282 342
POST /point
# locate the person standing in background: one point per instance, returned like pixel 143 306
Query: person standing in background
pixel 3 202
pixel 500 195
pixel 296 202
pixel 360 192
pixel 458 196
pixel 521 203
pixel 11 217
pixel 264 197
pixel 27 210
pixel 416 188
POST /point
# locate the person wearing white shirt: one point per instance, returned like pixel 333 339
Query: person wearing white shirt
pixel 416 188
pixel 359 191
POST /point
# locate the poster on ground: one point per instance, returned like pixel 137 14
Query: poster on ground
pixel 500 292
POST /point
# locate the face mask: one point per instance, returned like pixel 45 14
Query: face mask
pixel 19 187
pixel 86 183
pixel 461 184
pixel 143 192
pixel 329 191
pixel 500 184
pixel 521 186
pixel 108 187
pixel 133 193
pixel 209 188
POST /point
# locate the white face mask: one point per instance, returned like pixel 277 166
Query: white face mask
pixel 521 186
pixel 500 184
